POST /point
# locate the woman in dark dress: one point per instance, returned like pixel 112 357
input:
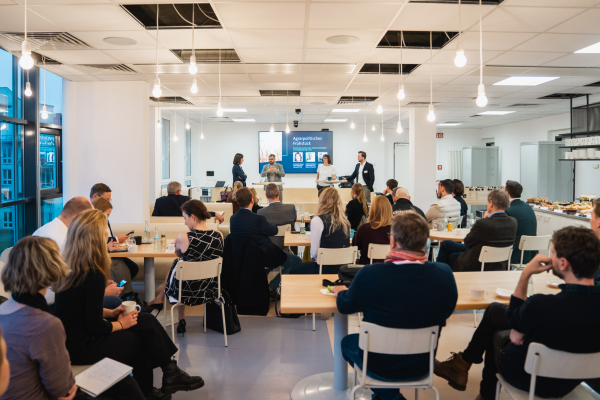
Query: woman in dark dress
pixel 357 207
pixel 199 244
pixel 237 171
pixel 93 333
pixel 376 231
pixel 457 193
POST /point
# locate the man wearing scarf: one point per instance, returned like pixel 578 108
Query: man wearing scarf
pixel 406 292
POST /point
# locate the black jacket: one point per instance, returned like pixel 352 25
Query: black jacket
pixel 499 230
pixel 238 174
pixel 368 174
pixel 169 205
pixel 354 212
pixel 463 210
pixel 526 225
pixel 404 205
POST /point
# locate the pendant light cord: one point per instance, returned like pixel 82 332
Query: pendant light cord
pixel 379 78
pixel 459 20
pixel 44 61
pixel 219 75
pixel 25 20
pixel 480 47
pixel 431 67
pixel 401 68
pixel 193 24
pixel 287 108
pixel 157 11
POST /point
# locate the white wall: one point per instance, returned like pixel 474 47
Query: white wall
pixel 105 140
pixel 454 139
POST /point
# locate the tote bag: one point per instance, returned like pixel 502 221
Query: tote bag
pixel 214 318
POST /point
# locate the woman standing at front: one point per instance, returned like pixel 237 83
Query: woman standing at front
pixel 137 340
pixel 356 208
pixel 325 171
pixel 238 172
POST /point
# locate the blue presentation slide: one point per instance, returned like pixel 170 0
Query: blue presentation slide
pixel 298 152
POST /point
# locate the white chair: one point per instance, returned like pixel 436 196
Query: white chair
pixel 343 256
pixel 195 270
pixel 528 243
pixel 456 221
pixel 492 254
pixel 549 363
pixel 378 339
pixel 281 230
pixel 5 254
pixel 378 251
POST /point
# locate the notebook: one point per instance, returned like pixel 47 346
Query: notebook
pixel 101 376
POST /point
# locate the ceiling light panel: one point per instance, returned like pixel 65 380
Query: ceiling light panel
pixel 495 112
pixel 526 80
pixel 243 120
pixel 591 49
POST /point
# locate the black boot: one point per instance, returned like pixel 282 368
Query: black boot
pixel 157 394
pixel 175 380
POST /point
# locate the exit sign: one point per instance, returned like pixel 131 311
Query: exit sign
pixel 439 135
pixel 439 167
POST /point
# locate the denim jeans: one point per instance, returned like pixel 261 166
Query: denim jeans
pixel 111 302
pixel 291 261
pixel 449 252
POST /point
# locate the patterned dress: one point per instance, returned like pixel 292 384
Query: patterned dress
pixel 204 246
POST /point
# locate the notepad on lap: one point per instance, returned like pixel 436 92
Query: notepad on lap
pixel 101 376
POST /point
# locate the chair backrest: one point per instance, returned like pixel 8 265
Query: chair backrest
pixel 282 229
pixel 196 270
pixel 378 251
pixel 456 221
pixel 213 226
pixel 346 255
pixel 2 292
pixel 5 254
pixel 226 208
pixel 494 254
pixel 534 242
pixel 397 341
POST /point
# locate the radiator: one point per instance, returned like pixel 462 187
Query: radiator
pixel 455 161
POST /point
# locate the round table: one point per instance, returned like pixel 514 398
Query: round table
pixel 441 236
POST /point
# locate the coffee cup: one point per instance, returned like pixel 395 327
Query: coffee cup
pixel 138 240
pixel 129 306
pixel 478 293
pixel 591 153
pixel 328 178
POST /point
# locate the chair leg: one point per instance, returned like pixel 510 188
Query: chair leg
pixel 204 317
pixel 165 312
pixel 474 319
pixel 224 325
pixel 353 394
pixel 498 386
pixel 314 328
pixel 437 394
pixel 416 394
pixel 172 324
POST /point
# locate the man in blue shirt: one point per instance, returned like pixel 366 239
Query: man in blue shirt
pixel 567 321
pixel 406 292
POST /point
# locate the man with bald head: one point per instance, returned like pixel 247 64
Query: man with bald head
pixel 57 228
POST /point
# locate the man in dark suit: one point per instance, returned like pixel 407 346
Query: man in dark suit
pixel 496 229
pixel 245 223
pixel 278 213
pixel 364 174
pixel 170 205
pixel 526 221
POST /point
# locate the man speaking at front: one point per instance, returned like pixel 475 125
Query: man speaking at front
pixel 365 174
pixel 274 172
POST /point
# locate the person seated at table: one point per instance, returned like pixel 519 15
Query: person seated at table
pixel 256 200
pixel 388 192
pixel 40 365
pixel 93 333
pixel 170 205
pixel 526 220
pixel 447 206
pixel 102 190
pixel 496 229
pixel 231 196
pixel 376 230
pixel 403 204
pixel 405 292
pixel 357 208
pixel 199 244
pixel 246 224
pixel 329 229
pixel 457 193
pixel 278 214
pixel 595 226
pixel 57 230
pixel 566 321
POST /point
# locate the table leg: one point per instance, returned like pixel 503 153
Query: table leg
pixel 340 366
pixel 149 278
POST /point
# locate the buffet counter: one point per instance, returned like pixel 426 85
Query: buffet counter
pixel 550 221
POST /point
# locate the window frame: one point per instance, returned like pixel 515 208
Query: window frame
pixel 46 194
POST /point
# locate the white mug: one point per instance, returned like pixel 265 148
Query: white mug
pixel 568 155
pixel 591 153
pixel 478 293
pixel 598 154
pixel 129 306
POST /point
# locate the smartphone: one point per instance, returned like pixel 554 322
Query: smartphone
pixel 122 283
pixel 129 233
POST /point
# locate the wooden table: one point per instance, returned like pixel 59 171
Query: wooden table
pixel 266 183
pixel 291 239
pixel 149 254
pixel 332 182
pixel 441 236
pixel 306 220
pixel 301 294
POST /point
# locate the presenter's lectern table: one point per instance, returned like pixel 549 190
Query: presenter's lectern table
pixel 266 183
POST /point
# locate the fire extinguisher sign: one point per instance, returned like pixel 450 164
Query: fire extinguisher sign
pixel 439 135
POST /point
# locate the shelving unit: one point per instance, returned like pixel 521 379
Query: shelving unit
pixel 579 159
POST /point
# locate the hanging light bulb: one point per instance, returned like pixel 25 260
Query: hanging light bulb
pixel 187 126
pixel 481 97
pixel 28 91
pixel 44 113
pixel 219 110
pixel 158 125
pixel 272 129
pixel 194 88
pixel 156 92
pixel 365 138
pixel 399 129
pixel 373 128
pixel 460 60
pixel 352 126
pixel 287 128
pixel 26 62
pixel 175 138
pixel 401 94
pixel 382 138
pixel 193 68
pixel 431 115
pixel 379 109
pixel 201 135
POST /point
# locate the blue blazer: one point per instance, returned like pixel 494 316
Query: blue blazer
pixel 526 225
pixel 238 174
pixel 245 223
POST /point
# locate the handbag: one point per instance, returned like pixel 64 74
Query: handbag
pixel 225 193
pixel 346 274
pixel 214 317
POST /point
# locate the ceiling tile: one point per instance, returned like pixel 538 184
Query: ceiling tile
pixel 494 40
pixel 526 19
pixel 351 15
pixel 88 17
pixel 12 20
pixel 558 42
pixel 258 15
pixel 81 78
pixel 336 55
pixel 524 58
pixel 438 17
pixel 182 38
pixel 586 22
pixel 283 55
pixel 331 78
pixel 144 56
pixel 276 78
pixel 96 39
pixel 317 38
pixel 267 38
pixel 576 60
pixel 80 56
pixel 392 56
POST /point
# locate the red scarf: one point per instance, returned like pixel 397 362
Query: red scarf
pixel 405 255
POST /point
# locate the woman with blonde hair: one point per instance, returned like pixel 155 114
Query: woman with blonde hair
pixel 231 196
pixel 255 207
pixel 93 333
pixel 356 208
pixel 40 364
pixel 329 229
pixel 376 230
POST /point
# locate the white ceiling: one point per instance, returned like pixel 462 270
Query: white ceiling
pixel 282 45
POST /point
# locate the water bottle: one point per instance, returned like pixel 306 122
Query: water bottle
pixel 445 223
pixel 156 239
pixel 530 287
pixel 163 241
pixel 132 239
pixel 302 226
pixel 147 233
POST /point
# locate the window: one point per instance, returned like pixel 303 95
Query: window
pixel 166 149
pixel 10 86
pixel 8 219
pixel 188 152
pixel 6 177
pixel 188 183
pixel 51 95
pixel 51 208
pixel 48 165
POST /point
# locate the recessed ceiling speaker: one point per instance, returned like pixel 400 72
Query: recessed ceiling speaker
pixel 342 39
pixel 120 41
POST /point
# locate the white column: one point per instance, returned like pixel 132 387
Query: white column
pixel 421 158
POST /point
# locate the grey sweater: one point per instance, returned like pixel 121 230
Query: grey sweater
pixel 40 368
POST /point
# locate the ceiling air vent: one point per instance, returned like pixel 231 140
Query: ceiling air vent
pixel 421 103
pixel 48 40
pixel 356 100
pixel 103 69
pixel 561 96
pixel 523 105
pixel 41 60
pixel 174 15
pixel 280 93
pixel 416 39
pixel 166 101
pixel 593 84
pixel 390 69
pixel 208 55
